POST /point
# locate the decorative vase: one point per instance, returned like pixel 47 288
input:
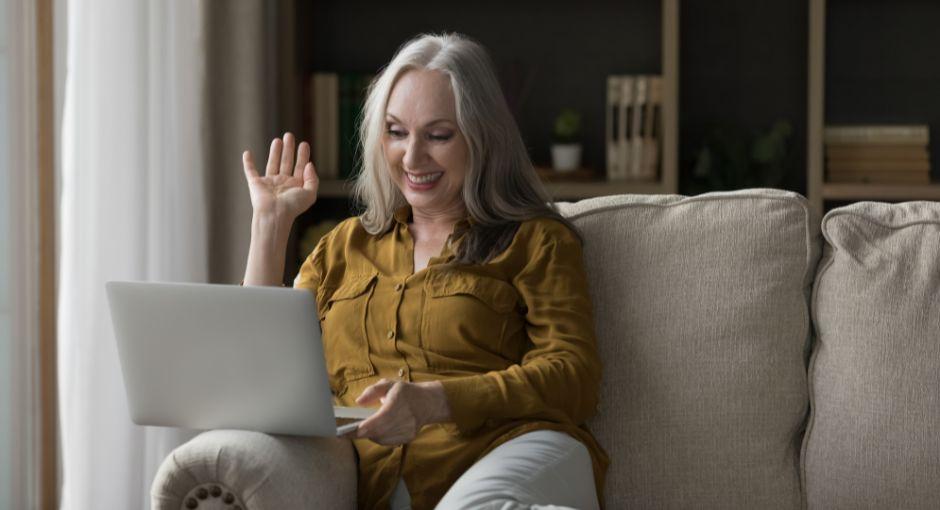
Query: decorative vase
pixel 566 157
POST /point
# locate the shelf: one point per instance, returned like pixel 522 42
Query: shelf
pixel 576 190
pixel 560 190
pixel 335 188
pixel 868 191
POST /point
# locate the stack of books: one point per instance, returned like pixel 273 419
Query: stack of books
pixel 335 103
pixel 878 153
pixel 634 127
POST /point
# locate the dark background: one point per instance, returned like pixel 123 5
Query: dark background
pixel 742 65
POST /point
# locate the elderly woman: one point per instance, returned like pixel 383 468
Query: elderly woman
pixel 456 302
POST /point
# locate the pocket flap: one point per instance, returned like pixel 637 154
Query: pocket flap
pixel 351 287
pixel 497 294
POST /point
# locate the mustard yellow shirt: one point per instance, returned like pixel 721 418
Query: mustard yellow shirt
pixel 512 342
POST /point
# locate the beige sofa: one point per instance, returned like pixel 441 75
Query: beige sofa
pixel 755 357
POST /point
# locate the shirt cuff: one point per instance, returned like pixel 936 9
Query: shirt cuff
pixel 472 401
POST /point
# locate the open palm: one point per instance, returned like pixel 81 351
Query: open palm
pixel 288 187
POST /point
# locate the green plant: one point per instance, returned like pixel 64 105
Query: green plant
pixel 567 126
pixel 731 158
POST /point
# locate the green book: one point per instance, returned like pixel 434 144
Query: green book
pixel 345 124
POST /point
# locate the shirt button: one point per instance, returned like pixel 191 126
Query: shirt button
pixel 390 334
pixel 401 372
pixel 399 287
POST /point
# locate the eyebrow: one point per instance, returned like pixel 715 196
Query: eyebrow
pixel 435 121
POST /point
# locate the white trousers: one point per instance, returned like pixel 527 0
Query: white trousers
pixel 541 470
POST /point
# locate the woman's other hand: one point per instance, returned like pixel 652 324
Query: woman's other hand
pixel 288 187
pixel 406 407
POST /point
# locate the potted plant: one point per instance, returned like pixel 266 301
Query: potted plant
pixel 566 145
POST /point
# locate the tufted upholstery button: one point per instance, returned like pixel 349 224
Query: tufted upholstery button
pixel 390 334
pixel 202 493
pixel 215 491
pixel 228 498
pixel 191 503
pixel 401 372
pixel 399 287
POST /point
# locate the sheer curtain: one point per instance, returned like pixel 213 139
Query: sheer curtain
pixel 133 207
pixel 20 412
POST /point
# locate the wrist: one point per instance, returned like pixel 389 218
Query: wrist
pixel 438 409
pixel 270 223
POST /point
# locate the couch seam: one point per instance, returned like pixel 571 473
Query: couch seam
pixel 811 386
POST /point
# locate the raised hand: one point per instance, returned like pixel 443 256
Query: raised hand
pixel 288 187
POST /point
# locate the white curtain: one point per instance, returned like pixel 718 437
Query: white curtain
pixel 134 207
pixel 20 411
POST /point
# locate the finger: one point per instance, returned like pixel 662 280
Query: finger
pixel 274 157
pixel 248 162
pixel 311 179
pixel 287 156
pixel 373 425
pixel 374 392
pixel 303 156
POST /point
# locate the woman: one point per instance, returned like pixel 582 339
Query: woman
pixel 457 302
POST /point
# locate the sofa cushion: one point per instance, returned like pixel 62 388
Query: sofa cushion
pixel 873 439
pixel 702 315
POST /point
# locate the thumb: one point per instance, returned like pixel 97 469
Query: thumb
pixel 248 162
pixel 311 179
pixel 374 392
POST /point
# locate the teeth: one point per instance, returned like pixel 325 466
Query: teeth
pixel 424 179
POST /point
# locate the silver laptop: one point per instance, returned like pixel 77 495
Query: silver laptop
pixel 205 356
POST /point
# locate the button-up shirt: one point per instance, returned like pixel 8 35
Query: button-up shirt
pixel 512 342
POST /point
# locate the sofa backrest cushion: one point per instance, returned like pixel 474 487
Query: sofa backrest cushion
pixel 702 313
pixel 873 438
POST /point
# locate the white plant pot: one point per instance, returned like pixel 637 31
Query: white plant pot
pixel 566 157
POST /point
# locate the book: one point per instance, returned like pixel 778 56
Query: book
pixel 877 152
pixel 652 129
pixel 612 133
pixel 636 140
pixel 345 123
pixel 625 126
pixel 907 177
pixel 332 108
pixel 879 165
pixel 323 136
pixel 890 134
pixel 360 92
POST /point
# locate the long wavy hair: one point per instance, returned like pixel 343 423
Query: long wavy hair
pixel 501 188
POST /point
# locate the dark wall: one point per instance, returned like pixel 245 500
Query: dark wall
pixel 565 50
pixel 743 65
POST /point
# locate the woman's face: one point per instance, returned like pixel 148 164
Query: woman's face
pixel 426 153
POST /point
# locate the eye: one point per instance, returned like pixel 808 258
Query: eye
pixel 395 133
pixel 441 138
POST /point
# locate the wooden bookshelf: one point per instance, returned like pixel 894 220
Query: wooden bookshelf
pixel 871 191
pixel 818 190
pixel 561 190
pixel 329 53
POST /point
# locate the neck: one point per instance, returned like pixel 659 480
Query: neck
pixel 438 218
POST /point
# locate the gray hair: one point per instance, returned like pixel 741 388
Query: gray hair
pixel 501 188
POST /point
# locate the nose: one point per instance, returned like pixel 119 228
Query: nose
pixel 414 153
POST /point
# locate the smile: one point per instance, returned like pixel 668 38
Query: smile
pixel 424 178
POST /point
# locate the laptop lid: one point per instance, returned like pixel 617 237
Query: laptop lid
pixel 207 356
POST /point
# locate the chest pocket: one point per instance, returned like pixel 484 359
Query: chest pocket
pixel 343 326
pixel 465 319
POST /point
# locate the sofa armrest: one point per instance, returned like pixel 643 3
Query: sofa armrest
pixel 234 469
